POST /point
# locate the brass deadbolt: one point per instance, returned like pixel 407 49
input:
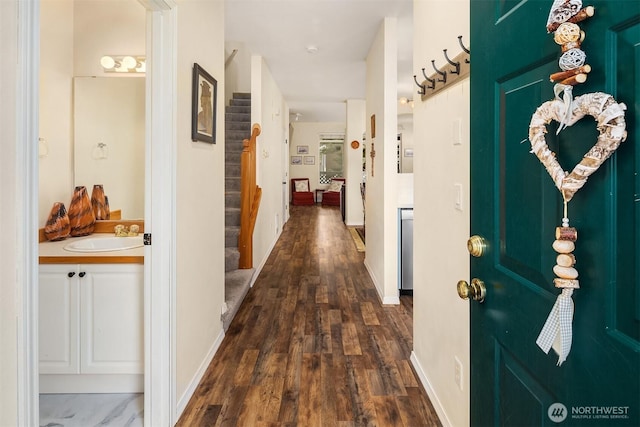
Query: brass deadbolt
pixel 476 246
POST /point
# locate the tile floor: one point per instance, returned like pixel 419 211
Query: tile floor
pixel 87 410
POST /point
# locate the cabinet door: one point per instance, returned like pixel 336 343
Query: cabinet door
pixel 58 319
pixel 112 318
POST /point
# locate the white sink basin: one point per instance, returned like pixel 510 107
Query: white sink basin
pixel 104 244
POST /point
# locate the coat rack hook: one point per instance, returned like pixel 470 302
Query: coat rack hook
pixel 464 48
pixel 432 82
pixel 442 73
pixel 455 64
pixel 422 90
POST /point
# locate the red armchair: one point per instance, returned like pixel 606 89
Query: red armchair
pixel 331 197
pixel 301 193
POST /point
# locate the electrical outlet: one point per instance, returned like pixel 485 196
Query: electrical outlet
pixel 458 372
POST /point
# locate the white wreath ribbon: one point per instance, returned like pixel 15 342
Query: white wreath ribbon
pixel 557 330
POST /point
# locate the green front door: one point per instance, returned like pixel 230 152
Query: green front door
pixel 515 207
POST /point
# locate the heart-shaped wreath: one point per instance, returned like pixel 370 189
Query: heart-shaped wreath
pixel 609 116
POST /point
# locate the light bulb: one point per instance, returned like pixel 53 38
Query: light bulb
pixel 107 62
pixel 129 62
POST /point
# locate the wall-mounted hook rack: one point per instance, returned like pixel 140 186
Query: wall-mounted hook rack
pixel 422 90
pixel 462 65
pixel 431 82
pixel 455 64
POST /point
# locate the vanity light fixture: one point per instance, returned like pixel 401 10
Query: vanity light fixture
pixel 123 64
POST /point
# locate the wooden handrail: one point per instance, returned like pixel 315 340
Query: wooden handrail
pixel 250 195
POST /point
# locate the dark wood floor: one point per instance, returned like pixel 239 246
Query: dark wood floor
pixel 311 344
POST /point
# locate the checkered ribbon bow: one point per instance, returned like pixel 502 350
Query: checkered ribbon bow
pixel 557 331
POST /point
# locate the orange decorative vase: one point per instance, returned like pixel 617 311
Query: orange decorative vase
pixel 81 215
pixel 99 203
pixel 58 226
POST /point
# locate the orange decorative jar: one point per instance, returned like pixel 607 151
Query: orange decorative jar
pixel 57 226
pixel 81 215
pixel 99 203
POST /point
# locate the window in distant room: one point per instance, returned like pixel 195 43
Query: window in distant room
pixel 330 157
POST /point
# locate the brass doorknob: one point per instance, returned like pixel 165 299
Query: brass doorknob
pixel 476 290
pixel 476 246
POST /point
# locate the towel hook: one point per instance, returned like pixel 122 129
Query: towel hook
pixel 432 82
pixel 422 90
pixel 442 73
pixel 455 64
pixel 464 48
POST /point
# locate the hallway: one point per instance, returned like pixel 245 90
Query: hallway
pixel 311 344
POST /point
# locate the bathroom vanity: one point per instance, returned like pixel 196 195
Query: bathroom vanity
pixel 91 328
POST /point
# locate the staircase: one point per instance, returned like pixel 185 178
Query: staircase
pixel 237 128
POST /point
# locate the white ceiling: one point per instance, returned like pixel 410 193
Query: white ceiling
pixel 317 85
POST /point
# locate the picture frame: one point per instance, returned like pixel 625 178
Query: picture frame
pixel 309 160
pixel 296 160
pixel 302 149
pixel 203 106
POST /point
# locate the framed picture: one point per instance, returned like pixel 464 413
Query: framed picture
pixel 303 149
pixel 203 107
pixel 309 160
pixel 408 152
pixel 296 160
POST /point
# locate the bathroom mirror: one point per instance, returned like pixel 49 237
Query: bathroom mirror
pixel 109 139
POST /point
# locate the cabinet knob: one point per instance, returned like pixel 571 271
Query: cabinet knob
pixel 82 274
pixel 71 274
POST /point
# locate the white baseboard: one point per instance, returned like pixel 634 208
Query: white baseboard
pixel 385 300
pixel 186 396
pixel 444 419
pixel 264 259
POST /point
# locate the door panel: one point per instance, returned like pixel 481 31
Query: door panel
pixel 516 207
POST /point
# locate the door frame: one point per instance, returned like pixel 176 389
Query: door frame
pixel 160 171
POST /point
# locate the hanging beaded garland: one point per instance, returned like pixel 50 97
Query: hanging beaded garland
pixel 609 115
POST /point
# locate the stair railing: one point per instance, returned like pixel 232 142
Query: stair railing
pixel 250 195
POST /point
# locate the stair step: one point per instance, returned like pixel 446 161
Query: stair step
pixel 232 170
pixel 245 126
pixel 240 102
pixel 237 135
pixel 232 217
pixel 231 233
pixel 236 286
pixel 231 259
pixel 232 156
pixel 232 183
pixel 232 199
pixel 244 109
pixel 242 95
pixel 238 117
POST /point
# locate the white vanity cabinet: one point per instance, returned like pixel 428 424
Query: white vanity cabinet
pixel 91 328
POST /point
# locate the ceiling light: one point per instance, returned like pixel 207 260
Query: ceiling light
pixel 312 50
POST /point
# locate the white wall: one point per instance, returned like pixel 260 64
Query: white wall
pixel 271 112
pixel 238 72
pixel 199 201
pixel 441 318
pixel 308 133
pixel 10 311
pixel 381 257
pixel 356 127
